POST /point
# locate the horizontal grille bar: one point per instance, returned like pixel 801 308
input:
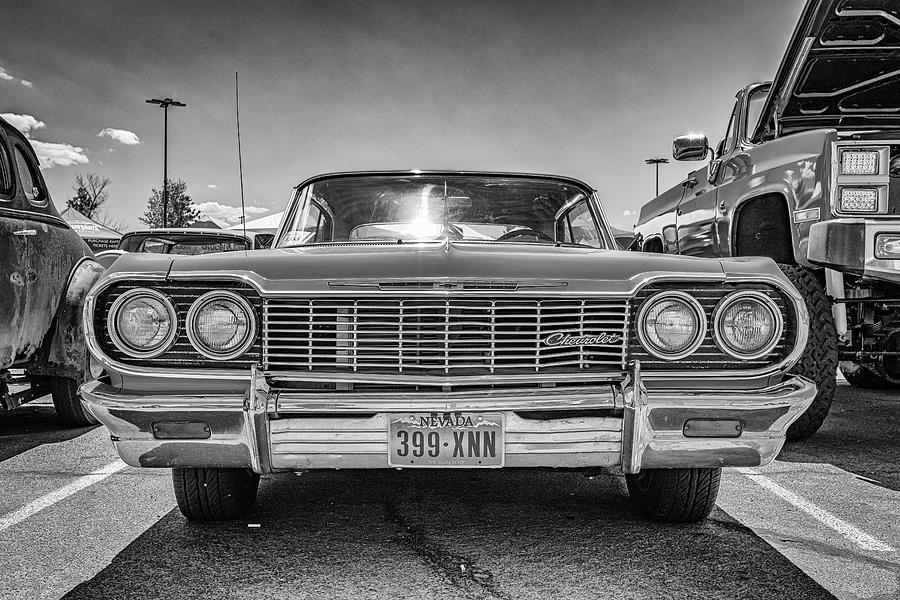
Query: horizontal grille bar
pixel 460 336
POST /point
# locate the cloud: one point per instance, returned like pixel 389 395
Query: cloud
pixel 123 136
pixel 27 83
pixel 225 214
pixel 628 213
pixel 4 75
pixel 51 154
pixel 54 154
pixel 212 186
pixel 24 123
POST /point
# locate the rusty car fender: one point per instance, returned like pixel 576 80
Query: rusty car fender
pixel 64 351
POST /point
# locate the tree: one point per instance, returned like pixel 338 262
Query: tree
pixel 181 211
pixel 90 193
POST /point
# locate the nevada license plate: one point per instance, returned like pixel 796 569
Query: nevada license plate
pixel 442 440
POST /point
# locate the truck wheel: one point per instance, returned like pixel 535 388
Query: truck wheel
pixel 820 358
pixel 674 495
pixel 215 494
pixel 67 402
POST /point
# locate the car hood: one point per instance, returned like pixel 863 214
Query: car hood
pixel 840 69
pixel 442 267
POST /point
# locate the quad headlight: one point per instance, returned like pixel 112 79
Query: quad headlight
pixel 671 325
pixel 221 325
pixel 747 325
pixel 142 323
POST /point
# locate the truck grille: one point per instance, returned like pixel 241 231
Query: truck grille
pixel 461 336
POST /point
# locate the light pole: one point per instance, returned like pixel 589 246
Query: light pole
pixel 657 162
pixel 165 103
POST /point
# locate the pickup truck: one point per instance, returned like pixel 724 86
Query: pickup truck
pixel 808 174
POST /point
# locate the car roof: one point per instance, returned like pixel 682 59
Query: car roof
pixel 186 231
pixel 417 172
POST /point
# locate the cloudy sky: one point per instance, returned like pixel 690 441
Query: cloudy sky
pixel 587 89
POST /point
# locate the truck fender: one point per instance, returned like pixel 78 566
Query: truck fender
pixel 799 236
pixel 64 351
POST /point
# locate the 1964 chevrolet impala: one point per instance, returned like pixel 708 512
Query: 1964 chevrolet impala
pixel 445 320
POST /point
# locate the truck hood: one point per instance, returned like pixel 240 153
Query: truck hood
pixel 443 267
pixel 841 69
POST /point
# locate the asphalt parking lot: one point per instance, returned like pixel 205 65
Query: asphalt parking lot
pixel 823 521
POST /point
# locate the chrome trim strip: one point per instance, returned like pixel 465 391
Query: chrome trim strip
pixel 316 401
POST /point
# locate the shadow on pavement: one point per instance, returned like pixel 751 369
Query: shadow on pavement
pixel 33 425
pixel 859 436
pixel 447 534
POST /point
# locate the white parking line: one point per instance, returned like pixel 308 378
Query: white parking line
pixel 17 516
pixel 857 536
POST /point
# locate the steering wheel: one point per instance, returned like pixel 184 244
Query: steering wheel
pixel 523 232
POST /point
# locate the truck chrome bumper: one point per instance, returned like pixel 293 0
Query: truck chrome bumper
pixel 848 245
pixel 268 429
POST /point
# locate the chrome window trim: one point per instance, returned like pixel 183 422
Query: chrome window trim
pixel 733 297
pixel 114 312
pixel 206 298
pixel 659 297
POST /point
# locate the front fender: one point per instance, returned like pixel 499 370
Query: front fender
pixel 64 352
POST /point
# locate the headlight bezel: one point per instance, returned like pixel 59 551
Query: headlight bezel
pixel 699 335
pixel 211 296
pixel 727 301
pixel 121 344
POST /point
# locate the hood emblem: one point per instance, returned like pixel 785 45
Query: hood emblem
pixel 558 338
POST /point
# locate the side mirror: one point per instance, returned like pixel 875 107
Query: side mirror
pixel 693 146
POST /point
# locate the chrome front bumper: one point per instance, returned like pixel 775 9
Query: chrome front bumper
pixel 278 429
pixel 848 246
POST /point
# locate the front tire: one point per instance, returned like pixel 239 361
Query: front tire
pixel 215 494
pixel 674 495
pixel 67 402
pixel 820 358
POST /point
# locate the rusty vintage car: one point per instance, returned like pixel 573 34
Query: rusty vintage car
pixel 808 174
pixel 46 270
pixel 445 320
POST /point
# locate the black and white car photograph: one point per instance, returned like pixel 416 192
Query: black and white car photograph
pixel 305 299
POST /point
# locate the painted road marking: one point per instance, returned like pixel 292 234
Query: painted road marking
pixel 36 506
pixel 854 534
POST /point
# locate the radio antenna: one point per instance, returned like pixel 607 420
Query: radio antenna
pixel 237 114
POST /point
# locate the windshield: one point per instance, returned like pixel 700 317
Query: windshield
pixel 422 208
pixel 182 244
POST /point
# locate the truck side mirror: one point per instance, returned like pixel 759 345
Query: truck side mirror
pixel 693 146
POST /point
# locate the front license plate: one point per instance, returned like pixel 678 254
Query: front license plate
pixel 441 440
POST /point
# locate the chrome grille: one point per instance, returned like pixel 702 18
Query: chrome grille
pixel 462 336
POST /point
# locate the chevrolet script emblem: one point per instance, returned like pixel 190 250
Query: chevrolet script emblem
pixel 564 339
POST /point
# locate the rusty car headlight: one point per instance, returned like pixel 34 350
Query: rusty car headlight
pixel 671 325
pixel 747 325
pixel 221 325
pixel 142 323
